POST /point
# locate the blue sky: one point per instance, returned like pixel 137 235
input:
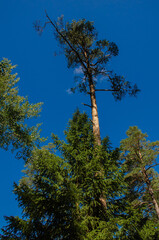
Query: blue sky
pixel 133 25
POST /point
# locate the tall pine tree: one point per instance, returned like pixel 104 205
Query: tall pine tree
pixel 83 50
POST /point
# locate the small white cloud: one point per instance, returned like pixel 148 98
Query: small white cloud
pixel 78 70
pixel 103 78
pixel 69 91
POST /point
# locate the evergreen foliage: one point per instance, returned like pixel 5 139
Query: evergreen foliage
pixel 14 111
pixel 60 192
pixel 141 199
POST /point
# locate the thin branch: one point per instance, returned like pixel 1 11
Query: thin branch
pixel 152 166
pixel 86 105
pixel 83 50
pixel 140 203
pixel 65 39
pixel 102 72
pixel 100 60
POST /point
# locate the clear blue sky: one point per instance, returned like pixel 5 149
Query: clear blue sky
pixel 133 25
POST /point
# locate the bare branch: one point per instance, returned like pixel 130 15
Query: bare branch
pixel 86 105
pixel 65 39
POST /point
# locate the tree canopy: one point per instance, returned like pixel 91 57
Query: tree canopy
pixel 59 195
pixel 140 159
pixel 14 111
pixel 60 191
pixel 84 51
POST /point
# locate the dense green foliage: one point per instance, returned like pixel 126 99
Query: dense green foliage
pixel 60 194
pixel 142 199
pixel 14 111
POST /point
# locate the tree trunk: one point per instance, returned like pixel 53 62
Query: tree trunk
pixel 96 130
pixel 150 190
pixel 95 119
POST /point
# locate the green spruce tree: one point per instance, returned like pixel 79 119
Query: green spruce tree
pixel 60 193
pixel 14 111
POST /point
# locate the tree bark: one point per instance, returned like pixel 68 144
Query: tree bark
pixel 151 192
pixel 150 189
pixel 95 118
pixel 96 130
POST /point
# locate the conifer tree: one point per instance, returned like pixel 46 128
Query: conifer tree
pixel 83 50
pixel 14 111
pixel 140 159
pixel 141 198
pixel 60 193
